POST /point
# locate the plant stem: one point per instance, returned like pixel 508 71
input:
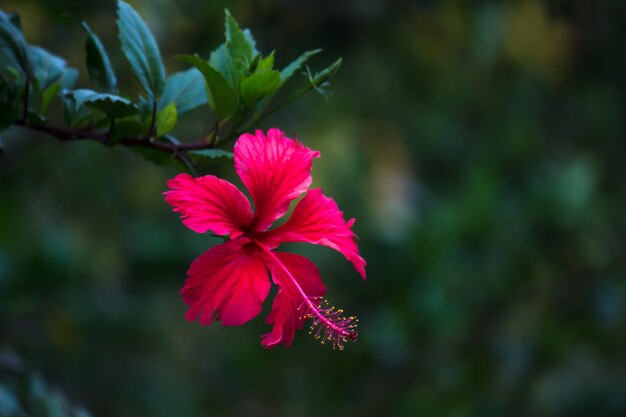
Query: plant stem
pixel 26 93
pixel 153 123
pixel 281 105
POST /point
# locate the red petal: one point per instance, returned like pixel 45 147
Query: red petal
pixel 285 314
pixel 228 282
pixel 275 169
pixel 317 219
pixel 209 203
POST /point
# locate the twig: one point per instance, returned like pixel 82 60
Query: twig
pixel 281 105
pixel 26 93
pixel 182 157
pixel 153 123
pixel 107 139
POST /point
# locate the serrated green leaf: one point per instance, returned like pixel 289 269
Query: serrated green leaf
pixel 259 85
pixel 74 115
pixel 185 89
pixel 239 45
pixel 248 35
pixel 141 50
pixel 13 45
pixel 69 78
pixel 209 155
pixel 296 64
pixel 98 63
pixel 166 119
pixel 111 105
pixel 48 94
pixel 220 95
pixel 79 96
pixel 266 63
pixel 220 59
pixel 12 83
pixel 12 89
pixel 47 68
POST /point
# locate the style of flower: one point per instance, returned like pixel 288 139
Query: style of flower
pixel 229 282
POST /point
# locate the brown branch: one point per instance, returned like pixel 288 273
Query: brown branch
pixel 71 134
pixel 176 149
pixel 63 133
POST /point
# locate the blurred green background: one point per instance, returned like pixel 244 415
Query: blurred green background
pixel 481 147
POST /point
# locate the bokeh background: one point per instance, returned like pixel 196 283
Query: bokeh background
pixel 481 147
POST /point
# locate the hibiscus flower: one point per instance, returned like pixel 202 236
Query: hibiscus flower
pixel 230 281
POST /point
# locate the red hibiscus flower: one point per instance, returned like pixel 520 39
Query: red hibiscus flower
pixel 229 282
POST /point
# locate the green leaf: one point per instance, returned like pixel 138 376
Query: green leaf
pixel 184 89
pixel 166 119
pixel 68 80
pixel 326 74
pixel 47 68
pixel 248 35
pixel 13 45
pixel 239 44
pixel 12 83
pixel 111 105
pixel 259 85
pixel 141 50
pixel 295 65
pixel 266 63
pixel 220 95
pixel 210 155
pixel 49 94
pixel 79 96
pixel 321 79
pixel 254 64
pixel 74 115
pixel 98 64
pixel 11 93
pixel 220 59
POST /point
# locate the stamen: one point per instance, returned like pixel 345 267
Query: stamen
pixel 329 325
